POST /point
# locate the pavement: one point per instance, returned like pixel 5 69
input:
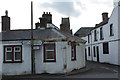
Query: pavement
pixel 93 70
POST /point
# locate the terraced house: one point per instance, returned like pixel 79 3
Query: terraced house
pixel 103 40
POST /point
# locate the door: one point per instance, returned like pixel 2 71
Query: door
pixel 97 53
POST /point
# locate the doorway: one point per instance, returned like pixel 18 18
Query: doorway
pixel 97 54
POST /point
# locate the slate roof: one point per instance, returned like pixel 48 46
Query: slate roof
pixel 40 34
pixel 101 23
pixel 83 31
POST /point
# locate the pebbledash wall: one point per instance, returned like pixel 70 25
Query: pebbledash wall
pixel 63 57
pixel 113 41
pixel 18 68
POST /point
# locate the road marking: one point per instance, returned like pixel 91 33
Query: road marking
pixel 110 69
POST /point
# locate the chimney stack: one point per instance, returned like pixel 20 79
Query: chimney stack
pixel 65 25
pixel 5 22
pixel 37 25
pixel 48 17
pixel 43 22
pixel 105 16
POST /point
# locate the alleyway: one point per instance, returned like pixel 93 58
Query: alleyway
pixel 95 71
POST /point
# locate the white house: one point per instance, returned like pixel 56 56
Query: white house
pixel 54 51
pixel 103 41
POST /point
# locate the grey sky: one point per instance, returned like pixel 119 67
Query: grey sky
pixel 66 8
pixel 82 13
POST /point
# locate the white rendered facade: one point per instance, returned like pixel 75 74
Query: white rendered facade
pixel 113 41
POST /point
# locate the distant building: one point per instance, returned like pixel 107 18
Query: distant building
pixel 103 41
pixel 55 51
pixel 83 31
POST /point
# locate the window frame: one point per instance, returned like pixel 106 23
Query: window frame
pixel 94 49
pixel 111 30
pixel 95 35
pixel 73 44
pixel 49 60
pixel 106 44
pixel 101 33
pixel 6 53
pixel 13 54
pixel 89 51
pixel 88 38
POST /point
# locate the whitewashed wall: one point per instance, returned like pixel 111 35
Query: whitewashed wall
pixel 119 52
pixel 112 40
pixel 80 58
pixel 88 45
pixel 1 55
pixel 63 57
pixel 49 67
pixel 119 35
pixel 18 68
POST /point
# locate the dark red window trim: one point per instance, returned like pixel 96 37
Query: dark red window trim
pixel 12 54
pixel 54 52
pixel 74 45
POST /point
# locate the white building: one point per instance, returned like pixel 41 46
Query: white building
pixel 54 51
pixel 103 41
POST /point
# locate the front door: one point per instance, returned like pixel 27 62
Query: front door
pixel 97 53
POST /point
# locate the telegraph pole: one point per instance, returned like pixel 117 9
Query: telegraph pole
pixel 32 53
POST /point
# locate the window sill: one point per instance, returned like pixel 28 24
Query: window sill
pixel 49 60
pixel 12 61
pixel 73 60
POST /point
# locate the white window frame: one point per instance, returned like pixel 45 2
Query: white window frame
pixel 15 54
pixel 47 50
pixel 6 53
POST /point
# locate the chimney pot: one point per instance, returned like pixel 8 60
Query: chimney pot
pixel 46 12
pixel 43 12
pixel 6 13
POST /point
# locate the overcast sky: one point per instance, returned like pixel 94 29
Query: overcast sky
pixel 82 13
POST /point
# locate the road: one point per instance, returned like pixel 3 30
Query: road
pixel 99 71
pixel 96 71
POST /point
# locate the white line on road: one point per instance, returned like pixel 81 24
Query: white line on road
pixel 110 69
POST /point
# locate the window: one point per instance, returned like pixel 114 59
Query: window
pixel 95 35
pixel 88 51
pixel 111 30
pixel 8 52
pixel 73 51
pixel 17 53
pixel 49 52
pixel 105 48
pixel 101 33
pixel 94 51
pixel 13 54
pixel 88 38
